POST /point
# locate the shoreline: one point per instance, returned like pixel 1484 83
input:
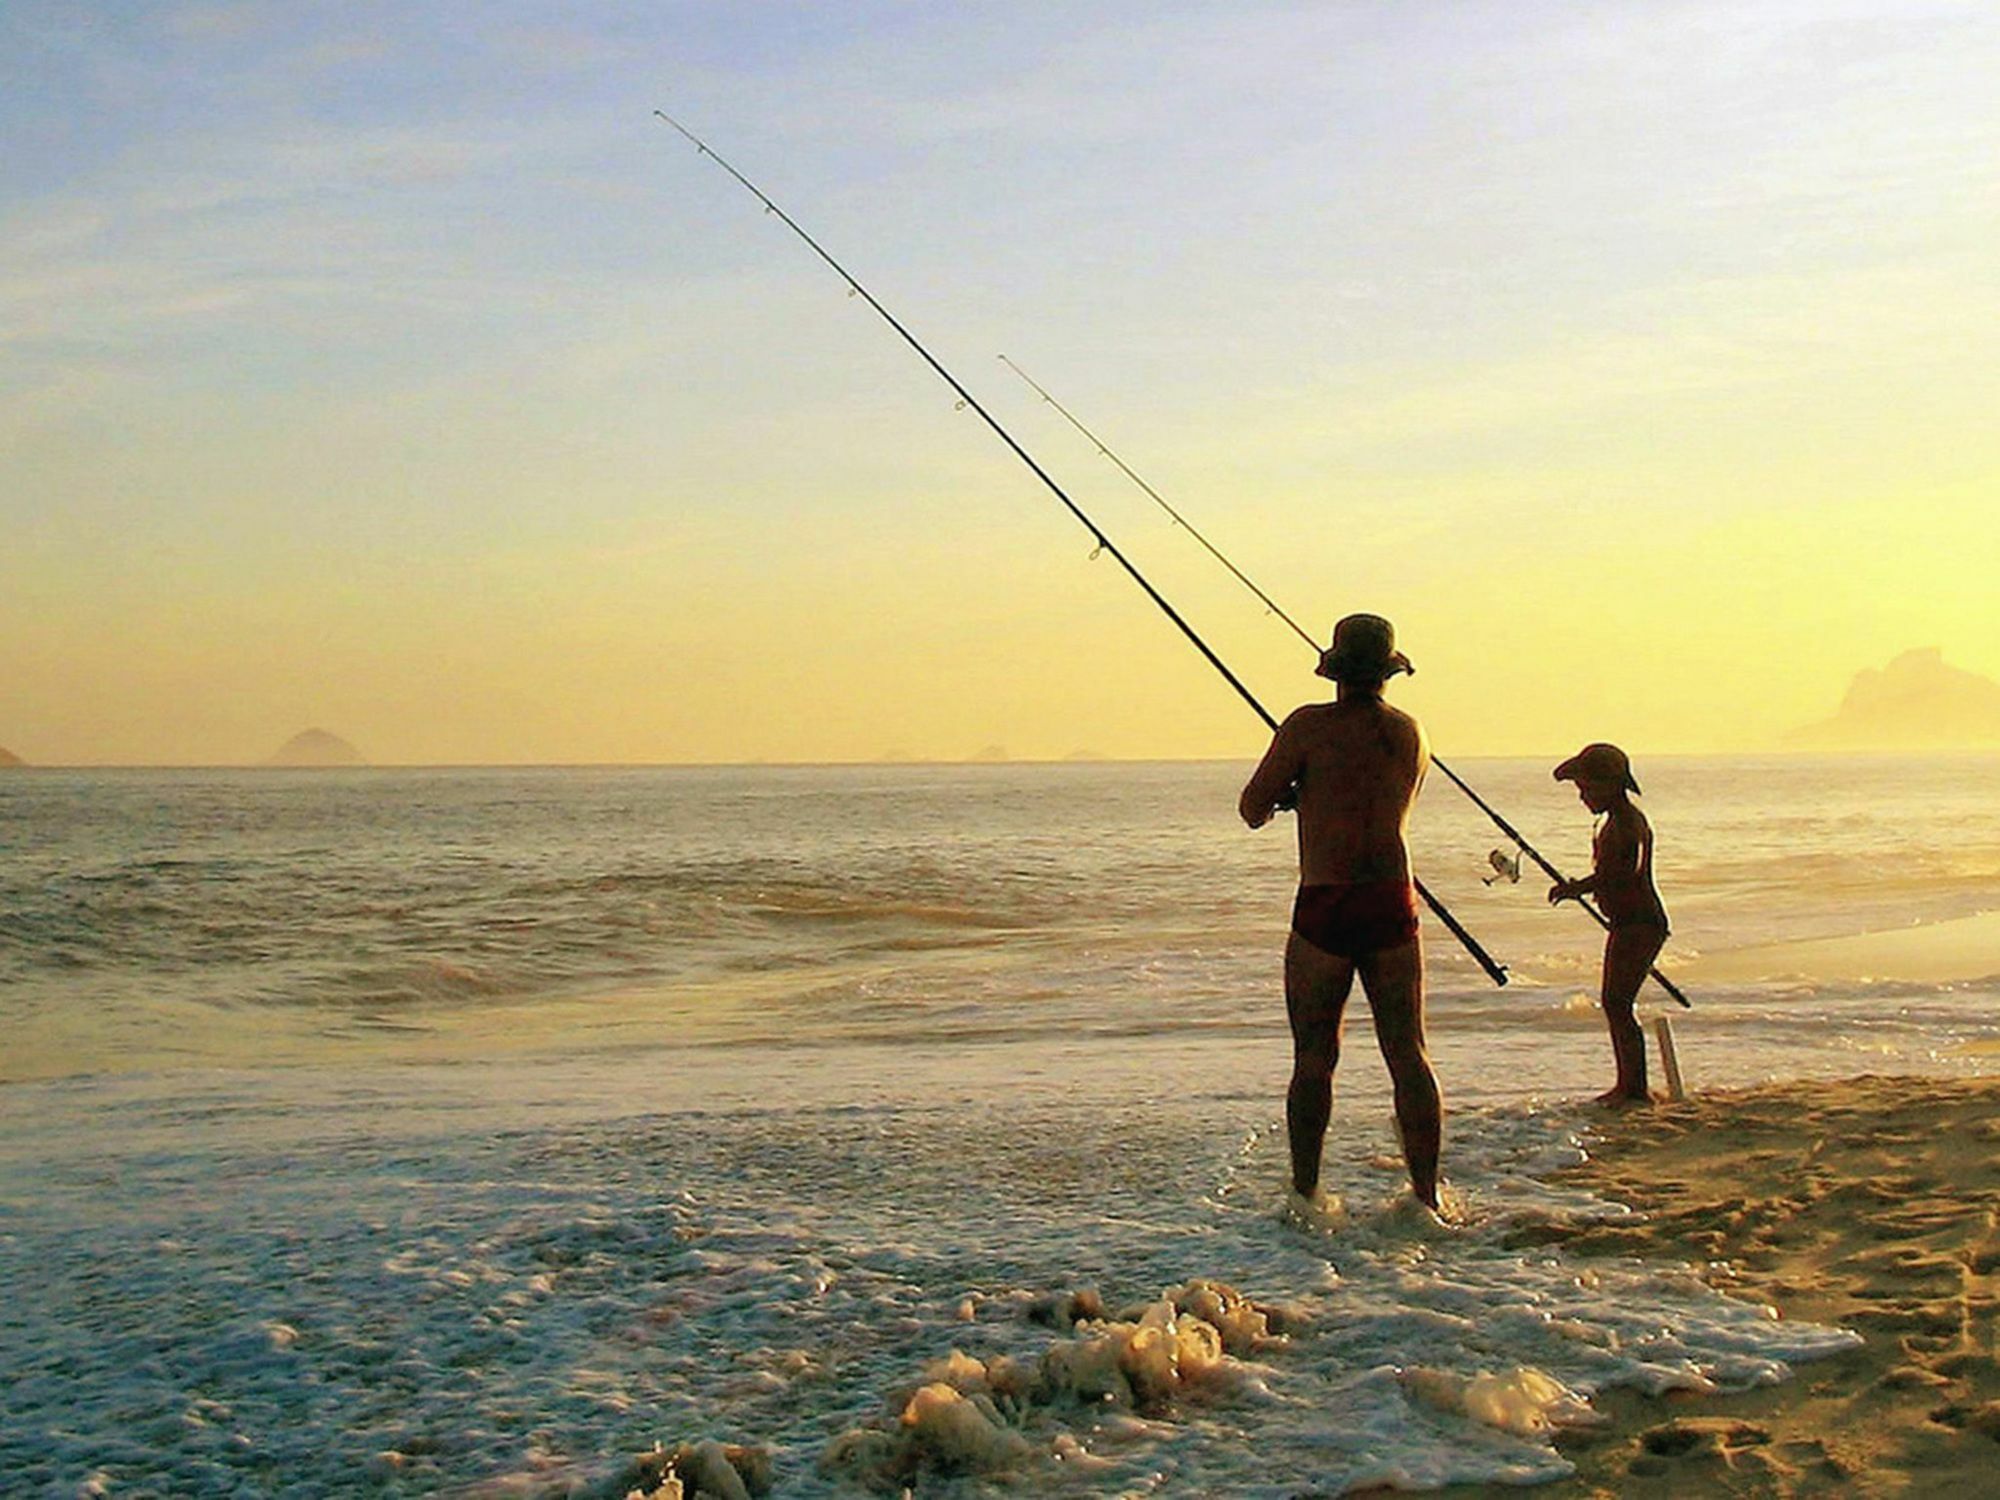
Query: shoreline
pixel 1870 1203
pixel 1950 950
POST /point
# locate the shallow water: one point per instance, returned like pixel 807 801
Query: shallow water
pixel 255 1292
pixel 389 1131
pixel 153 919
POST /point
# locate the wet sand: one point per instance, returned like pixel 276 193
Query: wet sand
pixel 1872 1203
pixel 1963 949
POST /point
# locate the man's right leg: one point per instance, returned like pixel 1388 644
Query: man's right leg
pixel 1394 980
pixel 1316 988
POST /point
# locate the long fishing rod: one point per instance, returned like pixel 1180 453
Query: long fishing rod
pixel 1494 971
pixel 1271 605
pixel 1161 500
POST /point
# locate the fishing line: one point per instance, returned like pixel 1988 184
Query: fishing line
pixel 1271 605
pixel 1494 971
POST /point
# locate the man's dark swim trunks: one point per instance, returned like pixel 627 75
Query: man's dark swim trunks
pixel 1355 917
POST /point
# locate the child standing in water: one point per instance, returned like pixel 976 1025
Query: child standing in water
pixel 1621 878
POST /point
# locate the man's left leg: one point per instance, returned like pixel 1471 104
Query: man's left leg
pixel 1316 989
pixel 1394 980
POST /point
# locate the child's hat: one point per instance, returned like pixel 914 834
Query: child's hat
pixel 1600 763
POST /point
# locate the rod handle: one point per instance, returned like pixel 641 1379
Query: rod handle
pixel 1671 988
pixel 1497 972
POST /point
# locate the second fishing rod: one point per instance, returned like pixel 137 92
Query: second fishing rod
pixel 1270 604
pixel 1494 970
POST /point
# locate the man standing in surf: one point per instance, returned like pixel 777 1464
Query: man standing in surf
pixel 1354 767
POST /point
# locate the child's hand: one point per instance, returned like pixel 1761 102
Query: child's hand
pixel 1562 890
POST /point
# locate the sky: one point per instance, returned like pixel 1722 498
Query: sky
pixel 391 369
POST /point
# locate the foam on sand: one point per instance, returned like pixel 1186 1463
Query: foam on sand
pixel 970 1416
pixel 1523 1400
pixel 1865 1201
pixel 706 1470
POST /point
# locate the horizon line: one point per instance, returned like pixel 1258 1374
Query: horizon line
pixel 1774 752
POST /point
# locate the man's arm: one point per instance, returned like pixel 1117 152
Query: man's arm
pixel 1270 785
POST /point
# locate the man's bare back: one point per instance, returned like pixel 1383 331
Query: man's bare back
pixel 1357 764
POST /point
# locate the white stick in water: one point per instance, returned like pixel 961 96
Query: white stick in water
pixel 1670 1062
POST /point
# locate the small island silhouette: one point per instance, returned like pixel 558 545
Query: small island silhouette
pixel 9 760
pixel 1917 702
pixel 315 747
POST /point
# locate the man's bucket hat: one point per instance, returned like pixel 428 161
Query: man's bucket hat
pixel 1363 650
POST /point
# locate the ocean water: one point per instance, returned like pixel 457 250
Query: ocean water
pixel 407 1131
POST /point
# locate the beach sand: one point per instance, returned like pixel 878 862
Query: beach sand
pixel 1872 1203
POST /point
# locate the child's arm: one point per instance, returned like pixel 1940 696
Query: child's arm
pixel 1569 890
pixel 1615 859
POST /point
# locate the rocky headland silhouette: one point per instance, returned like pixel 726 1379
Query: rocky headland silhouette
pixel 316 747
pixel 1917 702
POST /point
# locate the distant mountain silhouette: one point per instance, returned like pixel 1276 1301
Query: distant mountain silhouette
pixel 1914 703
pixel 990 753
pixel 315 747
pixel 9 760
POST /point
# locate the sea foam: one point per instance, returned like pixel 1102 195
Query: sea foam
pixel 283 1288
pixel 1010 1414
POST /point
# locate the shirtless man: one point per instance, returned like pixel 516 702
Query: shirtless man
pixel 1354 766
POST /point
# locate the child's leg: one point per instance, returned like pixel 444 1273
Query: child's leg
pixel 1628 953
